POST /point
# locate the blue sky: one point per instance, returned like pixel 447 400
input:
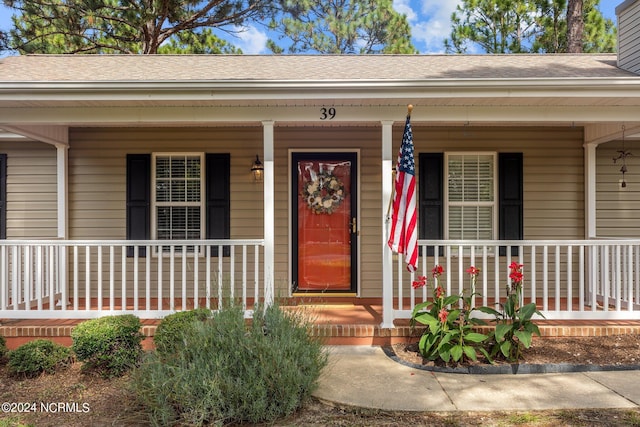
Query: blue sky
pixel 429 19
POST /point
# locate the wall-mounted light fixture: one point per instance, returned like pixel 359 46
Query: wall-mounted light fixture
pixel 257 169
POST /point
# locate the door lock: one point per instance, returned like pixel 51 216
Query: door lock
pixel 354 226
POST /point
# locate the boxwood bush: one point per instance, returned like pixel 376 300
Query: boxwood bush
pixel 229 371
pixel 3 349
pixel 168 335
pixel 38 356
pixel 110 345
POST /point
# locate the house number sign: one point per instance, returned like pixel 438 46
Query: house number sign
pixel 327 113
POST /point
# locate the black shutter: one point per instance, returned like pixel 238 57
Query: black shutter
pixel 218 205
pixel 431 214
pixel 138 199
pixel 3 196
pixel 510 202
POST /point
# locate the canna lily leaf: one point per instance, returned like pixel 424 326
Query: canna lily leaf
pixel 505 348
pixel 501 331
pixel 456 352
pixel 470 352
pixel 475 337
pixel 524 337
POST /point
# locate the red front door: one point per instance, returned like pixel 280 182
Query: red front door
pixel 324 218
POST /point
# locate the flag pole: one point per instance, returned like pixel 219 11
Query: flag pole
pixel 393 174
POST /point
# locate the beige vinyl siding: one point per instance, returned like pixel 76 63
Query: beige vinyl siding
pixel 629 37
pixel 97 174
pixel 617 209
pixel 553 161
pixel 31 190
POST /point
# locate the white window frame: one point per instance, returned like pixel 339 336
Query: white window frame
pixel 201 203
pixel 494 204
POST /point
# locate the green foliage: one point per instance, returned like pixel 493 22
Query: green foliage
pixel 110 345
pixel 112 26
pixel 514 325
pixel 449 335
pixel 362 26
pixel 168 335
pixel 519 26
pixel 229 371
pixel 3 349
pixel 38 356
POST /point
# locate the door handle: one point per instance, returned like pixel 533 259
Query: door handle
pixel 354 226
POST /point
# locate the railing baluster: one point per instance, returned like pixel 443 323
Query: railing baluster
pixel 147 278
pixel 196 269
pixel 256 274
pixel 87 277
pixel 112 278
pixel 99 272
pixel 244 277
pixel 123 288
pixel 545 278
pixel 160 252
pixel 208 277
pixel 136 274
pixel 220 276
pixel 232 272
pixel 484 275
pixel 400 284
pixel 172 281
pixel 617 292
pixel 569 278
pixel 39 278
pixel 184 278
pixel 630 278
pixel 533 276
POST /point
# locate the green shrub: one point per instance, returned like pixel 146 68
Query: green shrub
pixel 110 345
pixel 3 349
pixel 38 356
pixel 228 371
pixel 168 335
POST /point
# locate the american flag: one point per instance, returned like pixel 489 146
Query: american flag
pixel 403 238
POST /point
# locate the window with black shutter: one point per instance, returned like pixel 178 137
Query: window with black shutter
pixel 469 179
pixel 172 197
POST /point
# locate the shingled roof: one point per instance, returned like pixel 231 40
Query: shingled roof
pixel 176 68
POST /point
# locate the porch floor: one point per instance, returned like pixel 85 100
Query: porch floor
pixel 340 322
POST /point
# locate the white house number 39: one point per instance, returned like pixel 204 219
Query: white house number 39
pixel 327 113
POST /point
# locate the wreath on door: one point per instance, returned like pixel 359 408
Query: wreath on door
pixel 323 193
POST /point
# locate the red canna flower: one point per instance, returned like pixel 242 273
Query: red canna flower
pixel 473 271
pixel 439 292
pixel 516 276
pixel 437 271
pixel 514 266
pixel 422 280
pixel 442 315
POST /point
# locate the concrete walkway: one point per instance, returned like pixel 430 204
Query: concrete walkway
pixel 365 377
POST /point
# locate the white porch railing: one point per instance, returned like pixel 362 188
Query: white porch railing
pixel 591 279
pixel 87 279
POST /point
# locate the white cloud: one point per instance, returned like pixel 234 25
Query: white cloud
pixel 434 24
pixel 250 39
pixel 404 6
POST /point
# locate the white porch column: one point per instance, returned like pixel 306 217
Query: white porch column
pixel 62 171
pixel 269 211
pixel 62 152
pixel 387 260
pixel 590 190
